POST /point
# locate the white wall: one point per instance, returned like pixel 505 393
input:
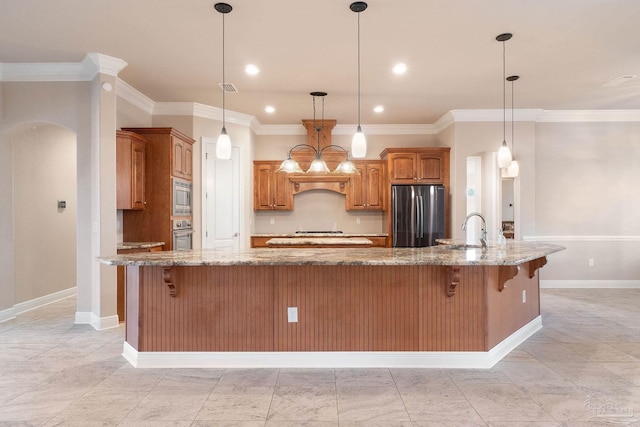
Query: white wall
pixel 44 171
pixel 588 199
pixel 66 104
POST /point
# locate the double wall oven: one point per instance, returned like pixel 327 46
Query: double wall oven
pixel 182 207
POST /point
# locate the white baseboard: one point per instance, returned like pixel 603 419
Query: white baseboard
pixel 32 304
pixel 98 323
pixel 590 284
pixel 7 314
pixel 334 359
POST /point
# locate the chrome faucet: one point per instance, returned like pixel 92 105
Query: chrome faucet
pixel 483 237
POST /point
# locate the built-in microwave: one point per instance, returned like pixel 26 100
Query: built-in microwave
pixel 182 200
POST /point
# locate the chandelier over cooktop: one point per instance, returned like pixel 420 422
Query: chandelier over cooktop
pixel 318 165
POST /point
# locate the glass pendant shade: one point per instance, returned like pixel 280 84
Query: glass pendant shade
pixel 346 166
pixel 504 156
pixel 290 166
pixel 514 169
pixel 318 165
pixel 223 147
pixel 359 144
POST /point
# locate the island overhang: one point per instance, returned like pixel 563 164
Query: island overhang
pixel 434 306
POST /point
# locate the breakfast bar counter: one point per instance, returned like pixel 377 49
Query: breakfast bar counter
pixel 446 306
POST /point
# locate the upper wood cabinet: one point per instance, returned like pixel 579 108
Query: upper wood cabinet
pixel 366 187
pixel 130 171
pixel 272 190
pixel 182 160
pixel 171 151
pixel 417 165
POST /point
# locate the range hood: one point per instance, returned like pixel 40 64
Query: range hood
pixel 336 182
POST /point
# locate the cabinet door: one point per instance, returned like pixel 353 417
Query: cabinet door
pixel 262 199
pixel 178 157
pixel 282 194
pixel 374 186
pixel 272 190
pixel 137 175
pixel 130 173
pixel 356 199
pixel 430 168
pixel 366 187
pixel 402 168
pixel 187 161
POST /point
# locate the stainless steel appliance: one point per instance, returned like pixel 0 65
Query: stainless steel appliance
pixel 182 200
pixel 418 215
pixel 182 235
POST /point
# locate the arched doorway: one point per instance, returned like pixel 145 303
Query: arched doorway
pixel 44 204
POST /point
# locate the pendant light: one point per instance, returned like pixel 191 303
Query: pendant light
pixel 514 168
pixel 504 154
pixel 359 142
pixel 223 146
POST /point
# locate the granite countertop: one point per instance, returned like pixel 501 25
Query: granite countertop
pixel 515 252
pixel 327 235
pixel 138 245
pixel 319 241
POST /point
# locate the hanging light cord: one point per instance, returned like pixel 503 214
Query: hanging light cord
pixel 358 70
pixel 513 141
pixel 504 94
pixel 224 82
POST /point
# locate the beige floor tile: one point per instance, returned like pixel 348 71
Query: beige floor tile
pixel 300 403
pixel 249 377
pixel 229 403
pixel 174 404
pixel 504 402
pixel 589 374
pixel 306 377
pixel 366 403
pixel 364 377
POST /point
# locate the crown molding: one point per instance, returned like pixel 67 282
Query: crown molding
pixel 104 64
pixel 550 116
pixel 132 95
pixel 495 115
pixel 387 129
pixel 280 130
pixel 85 70
pixel 201 110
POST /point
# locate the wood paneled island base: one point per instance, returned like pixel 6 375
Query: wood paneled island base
pixel 348 315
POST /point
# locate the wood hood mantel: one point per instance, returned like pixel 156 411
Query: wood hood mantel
pixel 318 181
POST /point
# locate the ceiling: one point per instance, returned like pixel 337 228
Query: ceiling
pixel 564 51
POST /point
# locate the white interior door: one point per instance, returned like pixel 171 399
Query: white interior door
pixel 221 195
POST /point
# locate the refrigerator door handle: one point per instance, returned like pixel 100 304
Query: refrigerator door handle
pixel 420 225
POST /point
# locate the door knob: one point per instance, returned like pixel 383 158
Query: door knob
pixel 236 234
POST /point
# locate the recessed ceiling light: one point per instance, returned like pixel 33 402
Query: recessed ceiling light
pixel 620 80
pixel 379 109
pixel 251 69
pixel 400 68
pixel 269 109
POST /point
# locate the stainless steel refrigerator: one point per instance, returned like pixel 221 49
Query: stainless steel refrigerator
pixel 418 215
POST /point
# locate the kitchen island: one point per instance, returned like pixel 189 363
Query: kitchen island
pixel 443 306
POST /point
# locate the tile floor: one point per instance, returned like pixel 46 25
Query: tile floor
pixel 582 369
